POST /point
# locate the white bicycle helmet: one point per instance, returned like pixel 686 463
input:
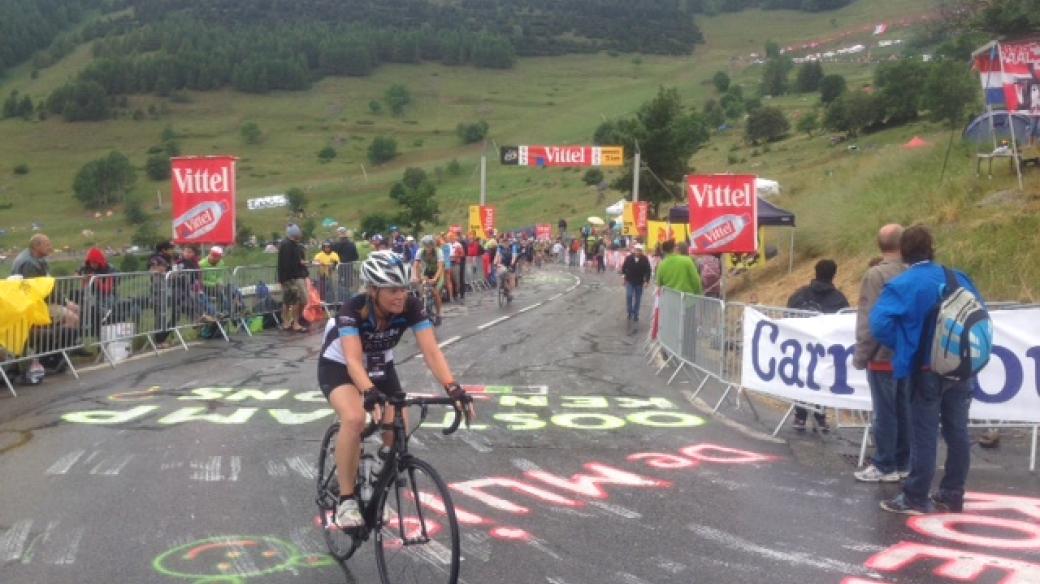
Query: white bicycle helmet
pixel 386 269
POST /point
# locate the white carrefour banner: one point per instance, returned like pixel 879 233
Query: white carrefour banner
pixel 810 360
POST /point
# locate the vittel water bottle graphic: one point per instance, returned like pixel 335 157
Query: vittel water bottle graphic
pixel 720 232
pixel 199 220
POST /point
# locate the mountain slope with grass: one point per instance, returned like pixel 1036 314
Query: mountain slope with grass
pixel 839 194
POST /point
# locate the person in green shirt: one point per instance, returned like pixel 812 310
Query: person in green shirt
pixel 214 280
pixel 677 271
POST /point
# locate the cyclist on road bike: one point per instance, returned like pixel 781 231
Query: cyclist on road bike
pixel 429 269
pixel 356 367
pixel 505 266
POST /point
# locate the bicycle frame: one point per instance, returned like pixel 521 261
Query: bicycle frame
pixel 398 455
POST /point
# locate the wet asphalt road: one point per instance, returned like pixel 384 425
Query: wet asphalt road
pixel 167 469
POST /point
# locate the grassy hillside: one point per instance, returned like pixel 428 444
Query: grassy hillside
pixel 840 195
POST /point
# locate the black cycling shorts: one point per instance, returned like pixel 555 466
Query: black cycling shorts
pixel 332 375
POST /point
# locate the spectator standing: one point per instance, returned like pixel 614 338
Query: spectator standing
pixel 292 276
pixel 159 263
pixel 710 268
pixel 903 319
pixel 345 247
pixel 636 272
pixel 458 259
pixel 890 397
pixel 474 261
pixel 326 260
pixel 677 271
pixel 819 296
pixel 449 283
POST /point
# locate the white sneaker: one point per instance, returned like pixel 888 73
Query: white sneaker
pixel 872 474
pixel 348 515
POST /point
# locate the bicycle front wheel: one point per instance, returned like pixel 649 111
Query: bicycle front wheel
pixel 341 544
pixel 418 535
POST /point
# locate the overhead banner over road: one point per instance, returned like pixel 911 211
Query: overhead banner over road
pixel 562 156
pixel 203 194
pixel 810 360
pixel 723 213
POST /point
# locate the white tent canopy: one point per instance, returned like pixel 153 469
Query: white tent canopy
pixel 617 208
pixel 766 188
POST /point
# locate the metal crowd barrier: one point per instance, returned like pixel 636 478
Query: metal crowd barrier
pixel 259 293
pixel 50 345
pixel 193 298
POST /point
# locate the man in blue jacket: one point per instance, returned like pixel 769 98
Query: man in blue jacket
pixel 904 320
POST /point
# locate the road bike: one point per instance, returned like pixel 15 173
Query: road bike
pixel 426 292
pixel 409 512
pixel 504 295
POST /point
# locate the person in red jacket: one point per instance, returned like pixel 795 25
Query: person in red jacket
pixel 99 284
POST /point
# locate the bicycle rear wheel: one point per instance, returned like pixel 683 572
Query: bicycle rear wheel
pixel 417 540
pixel 341 544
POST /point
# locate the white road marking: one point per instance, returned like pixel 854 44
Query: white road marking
pixel 207 470
pixel 12 542
pixel 63 464
pixel 494 322
pixel 67 548
pixel 618 510
pixel 788 557
pixel 443 344
pixel 303 467
pixel 475 442
pixel 236 468
pixel 110 466
pixel 277 469
pixel 525 465
pixel 531 307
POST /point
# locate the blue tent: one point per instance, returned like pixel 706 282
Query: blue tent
pixel 979 132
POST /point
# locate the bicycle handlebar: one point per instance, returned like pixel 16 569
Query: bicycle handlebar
pixel 401 401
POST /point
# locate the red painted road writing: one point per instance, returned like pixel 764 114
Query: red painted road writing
pixel 546 488
pixel 1002 524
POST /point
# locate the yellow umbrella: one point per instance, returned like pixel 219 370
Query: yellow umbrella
pixel 596 221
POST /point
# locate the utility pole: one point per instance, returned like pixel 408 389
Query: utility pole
pixel 483 179
pixel 635 176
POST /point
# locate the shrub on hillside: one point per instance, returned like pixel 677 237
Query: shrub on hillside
pixel 157 167
pixel 809 76
pixel 397 97
pixel 831 87
pixel 721 81
pixel 251 133
pixel 22 168
pixel 473 132
pixel 134 212
pixel 382 149
pixel 767 124
pixel 592 176
pixel 105 181
pixel 326 154
pixel 297 200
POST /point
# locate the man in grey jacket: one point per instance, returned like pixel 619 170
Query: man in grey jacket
pixel 891 397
